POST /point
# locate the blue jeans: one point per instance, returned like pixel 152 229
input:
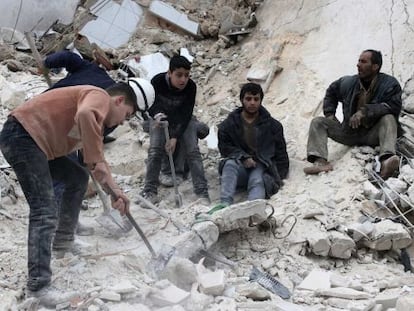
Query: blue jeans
pixel 235 175
pixel 46 221
pixel 189 144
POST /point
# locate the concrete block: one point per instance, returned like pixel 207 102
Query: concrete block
pixel 208 233
pixel 168 296
pixel 238 216
pixel 388 234
pixel 343 292
pixel 171 15
pixel 396 184
pixel 388 298
pixel 123 287
pixel 319 243
pixel 316 279
pixel 405 303
pixel 212 283
pixel 109 295
pixel 341 245
pixel 253 291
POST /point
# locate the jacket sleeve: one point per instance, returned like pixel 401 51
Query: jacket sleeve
pixel 331 99
pixel 389 103
pixel 281 157
pixel 70 61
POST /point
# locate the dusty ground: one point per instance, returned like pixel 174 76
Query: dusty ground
pixel 293 98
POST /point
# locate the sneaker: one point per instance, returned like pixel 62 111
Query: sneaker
pixel 389 166
pixel 166 180
pixel 84 230
pixel 318 166
pixel 50 297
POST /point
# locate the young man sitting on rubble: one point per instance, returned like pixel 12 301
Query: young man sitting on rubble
pixel 174 102
pixel 253 149
pixel 371 104
pixel 36 139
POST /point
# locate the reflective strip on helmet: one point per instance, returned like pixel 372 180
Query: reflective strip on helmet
pixel 143 95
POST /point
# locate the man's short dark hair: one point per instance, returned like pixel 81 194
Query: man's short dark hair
pixel 121 88
pixel 179 61
pixel 376 58
pixel 252 88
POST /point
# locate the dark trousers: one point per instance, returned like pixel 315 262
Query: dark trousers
pixel 383 134
pixel 46 220
pixel 156 152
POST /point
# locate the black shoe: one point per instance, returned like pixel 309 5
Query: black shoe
pixel 108 139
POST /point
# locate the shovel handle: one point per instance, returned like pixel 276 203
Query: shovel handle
pixel 133 222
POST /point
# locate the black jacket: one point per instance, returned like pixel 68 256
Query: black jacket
pixel 178 105
pixel 386 98
pixel 271 146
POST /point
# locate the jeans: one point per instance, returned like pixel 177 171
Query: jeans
pixel 383 133
pixel 189 143
pixel 46 220
pixel 235 175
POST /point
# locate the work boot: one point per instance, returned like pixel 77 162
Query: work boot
pixel 84 230
pixel 50 297
pixel 389 166
pixel 150 196
pixel 319 166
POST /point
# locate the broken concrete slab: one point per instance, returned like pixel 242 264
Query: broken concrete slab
pixel 171 15
pixel 355 305
pixel 316 279
pixel 388 234
pixel 239 216
pixel 115 22
pixel 405 303
pixel 171 295
pixel 343 292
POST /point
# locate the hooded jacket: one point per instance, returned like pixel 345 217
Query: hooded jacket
pixel 271 145
pixel 386 98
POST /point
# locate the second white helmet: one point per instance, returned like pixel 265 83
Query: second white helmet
pixel 144 91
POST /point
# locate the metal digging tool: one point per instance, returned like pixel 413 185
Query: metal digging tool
pixel 178 199
pixel 157 263
pixel 110 219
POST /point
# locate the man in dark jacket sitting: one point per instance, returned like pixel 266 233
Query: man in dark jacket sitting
pixel 371 103
pixel 253 149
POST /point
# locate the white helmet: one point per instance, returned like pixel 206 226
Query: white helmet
pixel 144 91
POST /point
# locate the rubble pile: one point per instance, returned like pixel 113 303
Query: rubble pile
pixel 338 241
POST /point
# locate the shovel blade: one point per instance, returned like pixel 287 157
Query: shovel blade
pixel 157 265
pixel 114 222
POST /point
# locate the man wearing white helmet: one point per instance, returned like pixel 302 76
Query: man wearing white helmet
pixel 36 139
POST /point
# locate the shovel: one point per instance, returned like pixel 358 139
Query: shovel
pixel 110 218
pixel 178 199
pixel 157 263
